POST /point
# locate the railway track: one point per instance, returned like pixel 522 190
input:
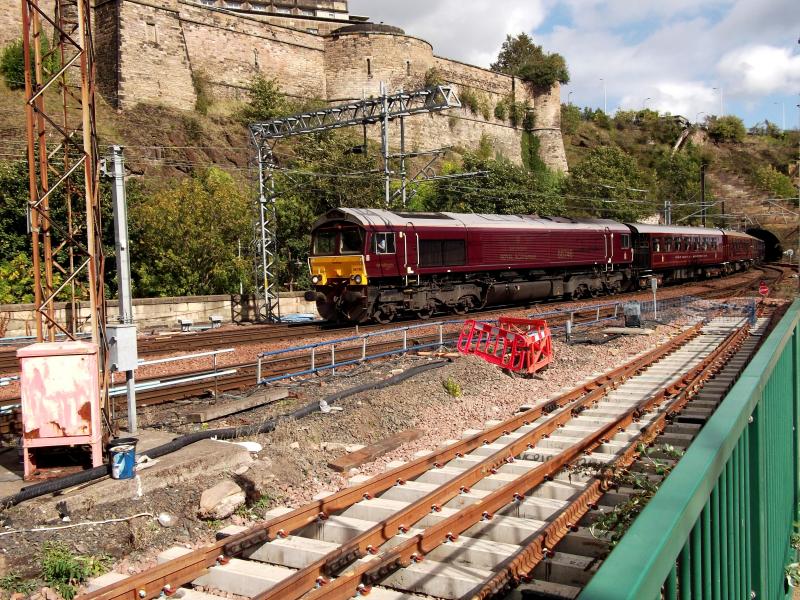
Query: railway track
pixel 469 520
pixel 246 372
pixel 213 339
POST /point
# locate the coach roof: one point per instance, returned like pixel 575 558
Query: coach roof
pixel 673 230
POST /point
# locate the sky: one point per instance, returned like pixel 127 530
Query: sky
pixel 684 57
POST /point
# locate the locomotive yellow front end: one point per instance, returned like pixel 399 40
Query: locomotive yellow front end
pixel 339 272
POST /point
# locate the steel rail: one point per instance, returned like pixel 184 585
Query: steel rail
pixel 518 568
pixel 185 569
pixel 364 575
pixel 368 541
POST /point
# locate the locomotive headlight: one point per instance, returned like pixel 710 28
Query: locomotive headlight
pixel 358 279
pixel 316 279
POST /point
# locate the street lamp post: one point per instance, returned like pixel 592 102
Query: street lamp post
pixel 721 101
pixel 569 99
pixel 605 96
pixel 783 114
pixel 644 104
pixel 697 117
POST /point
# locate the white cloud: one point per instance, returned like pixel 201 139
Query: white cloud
pixel 760 70
pixel 674 52
pixel 470 31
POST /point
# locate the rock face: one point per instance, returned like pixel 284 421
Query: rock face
pixel 221 501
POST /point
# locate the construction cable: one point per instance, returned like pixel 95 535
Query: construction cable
pixel 229 433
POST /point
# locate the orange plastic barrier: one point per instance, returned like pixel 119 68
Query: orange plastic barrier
pixel 517 345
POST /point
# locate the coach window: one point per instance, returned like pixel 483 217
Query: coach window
pixel 384 243
pixel 668 244
pixel 625 240
pixel 656 245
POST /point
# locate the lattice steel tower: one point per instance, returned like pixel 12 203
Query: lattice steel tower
pixel 64 206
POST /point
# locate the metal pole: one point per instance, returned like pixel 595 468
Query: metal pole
pixel 125 316
pixel 385 142
pixel 262 293
pixel 703 192
pixel 403 159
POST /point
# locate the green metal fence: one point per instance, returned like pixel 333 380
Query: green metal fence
pixel 720 526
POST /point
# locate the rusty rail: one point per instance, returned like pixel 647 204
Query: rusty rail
pixel 520 566
pixel 364 575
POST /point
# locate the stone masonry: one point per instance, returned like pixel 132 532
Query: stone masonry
pixel 157 51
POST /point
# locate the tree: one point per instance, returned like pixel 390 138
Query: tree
pixel 12 63
pixel 14 192
pixel 185 237
pixel 727 129
pixel 678 180
pixel 609 181
pixel 520 57
pixel 16 280
pixel 504 189
pixel 266 102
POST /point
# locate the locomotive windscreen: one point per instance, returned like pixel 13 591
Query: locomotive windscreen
pixel 341 240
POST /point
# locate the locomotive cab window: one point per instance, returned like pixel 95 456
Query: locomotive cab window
pixel 352 241
pixel 384 243
pixel 325 242
pixel 442 253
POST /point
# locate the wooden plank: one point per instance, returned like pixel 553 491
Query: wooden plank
pixel 231 408
pixel 348 461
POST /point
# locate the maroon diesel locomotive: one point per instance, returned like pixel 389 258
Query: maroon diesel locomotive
pixel 377 264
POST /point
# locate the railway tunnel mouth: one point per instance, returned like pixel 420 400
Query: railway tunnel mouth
pixel 773 251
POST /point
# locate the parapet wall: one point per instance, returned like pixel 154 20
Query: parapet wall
pixel 154 313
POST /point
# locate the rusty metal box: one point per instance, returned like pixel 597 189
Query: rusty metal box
pixel 60 398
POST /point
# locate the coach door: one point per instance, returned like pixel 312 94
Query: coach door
pixel 609 242
pixel 385 247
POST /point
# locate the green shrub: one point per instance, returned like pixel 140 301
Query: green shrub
pixel 452 387
pixel 727 129
pixel 12 63
pixel 570 118
pixel 14 584
pixel 433 78
pixel 501 110
pixel 775 182
pixel 65 571
pixel 202 89
pixel 267 102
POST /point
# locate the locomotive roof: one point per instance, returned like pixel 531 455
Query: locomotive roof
pixel 378 217
pixel 674 230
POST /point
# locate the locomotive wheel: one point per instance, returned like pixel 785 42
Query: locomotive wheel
pixel 425 313
pixel 383 316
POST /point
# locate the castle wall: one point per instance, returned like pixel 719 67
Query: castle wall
pixel 244 47
pixel 148 51
pixel 153 65
pixel 357 63
pixel 547 127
